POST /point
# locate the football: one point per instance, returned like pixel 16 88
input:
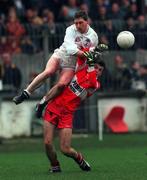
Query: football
pixel 125 39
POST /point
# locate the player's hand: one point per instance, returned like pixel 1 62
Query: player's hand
pixel 90 62
pixel 88 55
pixel 90 58
pixel 101 48
pixel 39 109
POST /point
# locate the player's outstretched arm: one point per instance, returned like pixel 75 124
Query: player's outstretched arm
pixel 51 94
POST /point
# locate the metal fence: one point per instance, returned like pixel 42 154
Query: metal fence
pixel 31 65
pixel 40 42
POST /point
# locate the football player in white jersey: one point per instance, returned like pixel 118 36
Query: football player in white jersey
pixel 78 36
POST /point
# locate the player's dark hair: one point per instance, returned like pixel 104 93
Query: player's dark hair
pixel 101 63
pixel 81 14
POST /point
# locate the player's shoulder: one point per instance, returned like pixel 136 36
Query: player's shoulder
pixel 92 30
pixel 71 28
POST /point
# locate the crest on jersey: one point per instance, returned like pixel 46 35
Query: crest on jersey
pixel 87 42
pixel 78 39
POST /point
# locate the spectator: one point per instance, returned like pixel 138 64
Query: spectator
pixel 4 45
pixel 14 46
pixel 134 70
pixel 143 76
pixel 64 14
pixel 95 6
pixel 130 25
pixel 53 30
pixel 106 80
pixel 84 7
pixel 36 20
pixel 135 66
pixel 45 13
pixel 33 28
pixel 27 45
pixel 141 29
pixel 111 33
pixel 29 14
pixel 102 14
pixel 51 22
pixel 13 26
pixel 125 7
pixel 115 12
pixel 53 5
pixel 133 11
pixel 15 29
pixel 121 75
pixel 72 5
pixel 8 45
pixel 12 76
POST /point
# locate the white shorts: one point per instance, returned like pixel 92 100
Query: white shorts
pixel 66 61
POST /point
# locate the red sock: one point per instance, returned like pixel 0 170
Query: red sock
pixel 79 157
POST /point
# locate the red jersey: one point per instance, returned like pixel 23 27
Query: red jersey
pixel 83 85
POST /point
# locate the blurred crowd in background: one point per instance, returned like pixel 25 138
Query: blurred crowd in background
pixel 24 23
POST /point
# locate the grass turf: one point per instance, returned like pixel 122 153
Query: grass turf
pixel 118 157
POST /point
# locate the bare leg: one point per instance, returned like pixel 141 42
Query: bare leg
pixel 48 141
pixel 65 78
pixel 50 69
pixel 65 146
pixel 65 143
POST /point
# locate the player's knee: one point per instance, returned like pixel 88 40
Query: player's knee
pixel 65 149
pixel 64 82
pixel 47 142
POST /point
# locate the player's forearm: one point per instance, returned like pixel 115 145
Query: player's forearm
pixel 53 92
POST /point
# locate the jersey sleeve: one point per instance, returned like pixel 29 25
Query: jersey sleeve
pixel 69 43
pixel 95 40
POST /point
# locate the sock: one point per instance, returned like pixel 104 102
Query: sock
pixel 43 101
pixel 55 163
pixel 28 93
pixel 79 157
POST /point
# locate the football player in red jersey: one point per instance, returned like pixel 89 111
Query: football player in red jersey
pixel 60 111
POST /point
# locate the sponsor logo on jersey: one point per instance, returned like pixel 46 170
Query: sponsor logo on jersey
pixel 77 89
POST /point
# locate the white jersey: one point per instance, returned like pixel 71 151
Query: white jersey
pixel 73 42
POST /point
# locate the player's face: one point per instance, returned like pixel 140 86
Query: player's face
pixel 99 69
pixel 81 25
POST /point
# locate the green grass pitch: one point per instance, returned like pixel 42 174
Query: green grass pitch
pixel 117 157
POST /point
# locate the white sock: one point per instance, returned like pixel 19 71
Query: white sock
pixel 27 92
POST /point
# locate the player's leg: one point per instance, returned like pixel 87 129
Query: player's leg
pixel 66 76
pixel 65 135
pixel 51 67
pixel 64 80
pixel 49 148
